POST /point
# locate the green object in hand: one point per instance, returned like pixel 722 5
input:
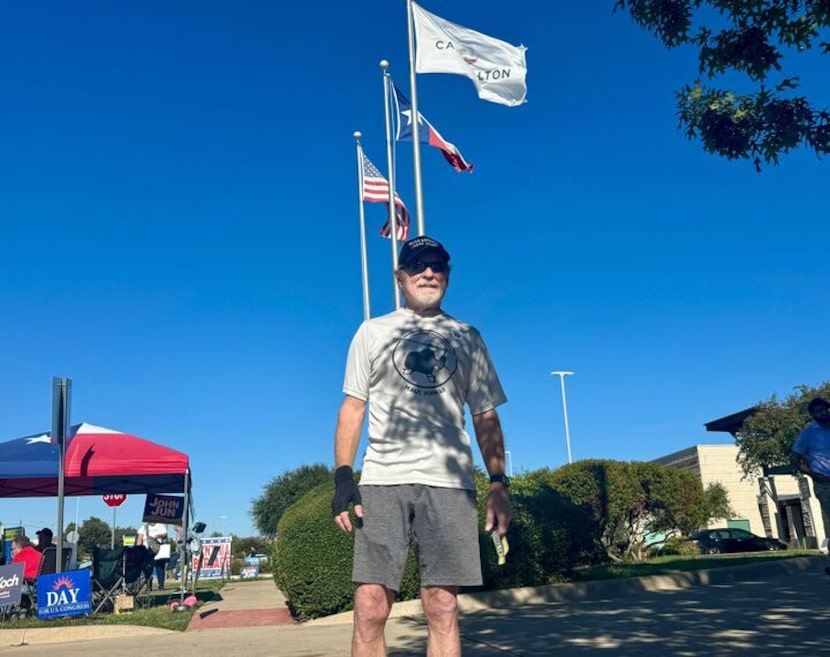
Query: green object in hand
pixel 501 545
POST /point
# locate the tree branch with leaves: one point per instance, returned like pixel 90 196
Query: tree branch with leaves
pixel 767 436
pixel 751 37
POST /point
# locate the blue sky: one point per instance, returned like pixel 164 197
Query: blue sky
pixel 178 202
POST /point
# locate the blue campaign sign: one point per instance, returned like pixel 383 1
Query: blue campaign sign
pixel 163 508
pixel 11 584
pixel 64 594
pixel 248 571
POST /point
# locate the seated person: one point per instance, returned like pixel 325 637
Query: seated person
pixel 23 552
pixel 44 538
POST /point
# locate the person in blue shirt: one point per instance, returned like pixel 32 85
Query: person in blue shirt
pixel 811 455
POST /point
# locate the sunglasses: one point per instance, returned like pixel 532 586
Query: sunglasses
pixel 419 266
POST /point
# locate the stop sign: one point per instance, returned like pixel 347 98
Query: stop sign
pixel 114 499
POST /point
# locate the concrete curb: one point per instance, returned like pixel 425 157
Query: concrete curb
pixel 600 589
pixel 46 635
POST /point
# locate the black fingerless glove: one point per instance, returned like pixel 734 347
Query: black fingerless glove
pixel 345 490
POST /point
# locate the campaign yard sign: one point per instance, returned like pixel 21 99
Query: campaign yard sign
pixel 249 571
pixel 11 584
pixel 167 509
pixel 8 536
pixel 215 558
pixel 64 594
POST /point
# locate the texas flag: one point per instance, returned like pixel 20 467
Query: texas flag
pixel 426 133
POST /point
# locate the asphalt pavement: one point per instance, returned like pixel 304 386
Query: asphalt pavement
pixel 779 607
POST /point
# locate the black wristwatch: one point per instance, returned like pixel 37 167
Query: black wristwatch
pixel 500 479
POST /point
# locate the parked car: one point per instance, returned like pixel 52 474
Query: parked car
pixel 256 559
pixel 733 539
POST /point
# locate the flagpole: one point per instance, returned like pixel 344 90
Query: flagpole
pixel 390 163
pixel 61 391
pixel 364 262
pixel 416 141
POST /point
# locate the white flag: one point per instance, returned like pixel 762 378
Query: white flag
pixel 497 69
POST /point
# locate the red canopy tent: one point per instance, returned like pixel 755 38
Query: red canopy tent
pixel 98 461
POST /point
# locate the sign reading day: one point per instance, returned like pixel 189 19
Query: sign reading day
pixel 64 594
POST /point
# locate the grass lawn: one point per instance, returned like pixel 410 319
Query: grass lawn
pixel 673 564
pixel 151 610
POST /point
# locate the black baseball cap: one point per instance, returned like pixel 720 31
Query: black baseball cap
pixel 418 247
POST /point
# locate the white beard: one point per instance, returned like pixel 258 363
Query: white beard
pixel 426 298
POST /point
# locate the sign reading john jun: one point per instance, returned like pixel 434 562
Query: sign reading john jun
pixel 64 594
pixel 163 508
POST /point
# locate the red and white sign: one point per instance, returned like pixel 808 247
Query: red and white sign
pixel 216 558
pixel 114 499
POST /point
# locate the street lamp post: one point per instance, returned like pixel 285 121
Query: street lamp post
pixel 508 456
pixel 562 374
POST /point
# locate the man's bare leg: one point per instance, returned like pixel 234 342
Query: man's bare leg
pixel 372 604
pixel 441 610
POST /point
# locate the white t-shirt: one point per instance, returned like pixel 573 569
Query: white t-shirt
pixel 417 374
pixel 154 529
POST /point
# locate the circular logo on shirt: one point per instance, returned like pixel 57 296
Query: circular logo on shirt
pixel 425 359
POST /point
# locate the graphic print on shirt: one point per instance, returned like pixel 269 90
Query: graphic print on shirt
pixel 424 359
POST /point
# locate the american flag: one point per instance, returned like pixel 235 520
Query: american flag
pixel 376 190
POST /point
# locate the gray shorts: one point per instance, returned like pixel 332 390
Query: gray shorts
pixel 442 523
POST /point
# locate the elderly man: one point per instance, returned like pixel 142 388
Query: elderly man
pixel 417 368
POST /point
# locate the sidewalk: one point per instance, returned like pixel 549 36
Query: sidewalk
pixel 243 604
pixel 250 617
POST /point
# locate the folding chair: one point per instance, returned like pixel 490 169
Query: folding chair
pixel 137 570
pixel 119 571
pixel 48 560
pixel 107 568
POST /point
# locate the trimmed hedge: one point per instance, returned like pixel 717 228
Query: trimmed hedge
pixel 579 515
pixel 312 558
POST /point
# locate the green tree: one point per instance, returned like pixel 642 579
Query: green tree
pixel 749 37
pixel 717 506
pixel 242 546
pixel 93 531
pixel 627 502
pixel 675 500
pixel 612 496
pixel 767 436
pixel 281 492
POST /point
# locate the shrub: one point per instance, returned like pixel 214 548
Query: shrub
pixel 549 537
pixel 676 546
pixel 312 558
